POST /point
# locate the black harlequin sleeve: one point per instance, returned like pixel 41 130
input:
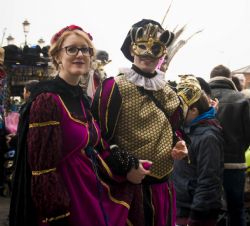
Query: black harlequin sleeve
pixel 121 161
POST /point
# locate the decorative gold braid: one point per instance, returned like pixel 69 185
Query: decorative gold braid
pixel 87 125
pixel 123 203
pixel 46 220
pixel 41 124
pixel 106 118
pixel 117 118
pixel 120 202
pixel 93 122
pixel 102 142
pixel 129 223
pixel 40 172
pixel 99 106
pixel 105 166
pixel 66 109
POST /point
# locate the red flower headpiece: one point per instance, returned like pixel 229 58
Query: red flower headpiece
pixel 68 28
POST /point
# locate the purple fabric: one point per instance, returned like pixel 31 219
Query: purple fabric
pixel 76 170
pixel 161 201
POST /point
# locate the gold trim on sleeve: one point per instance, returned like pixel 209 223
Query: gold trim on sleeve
pixel 40 172
pixel 46 220
pixel 41 124
pixel 108 104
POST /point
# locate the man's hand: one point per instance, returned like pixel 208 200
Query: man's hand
pixel 214 103
pixel 136 176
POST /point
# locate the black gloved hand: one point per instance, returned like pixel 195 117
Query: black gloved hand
pixel 120 161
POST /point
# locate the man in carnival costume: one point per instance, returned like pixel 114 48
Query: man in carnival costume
pixel 139 114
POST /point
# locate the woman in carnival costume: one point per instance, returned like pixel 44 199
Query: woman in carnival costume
pixel 60 156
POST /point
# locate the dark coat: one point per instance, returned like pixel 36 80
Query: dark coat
pixel 234 117
pixel 198 178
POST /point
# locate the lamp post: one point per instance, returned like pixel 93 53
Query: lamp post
pixel 26 29
pixel 10 40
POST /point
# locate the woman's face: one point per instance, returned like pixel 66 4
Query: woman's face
pixel 145 63
pixel 72 65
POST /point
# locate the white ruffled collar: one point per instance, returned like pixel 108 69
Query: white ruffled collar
pixel 156 83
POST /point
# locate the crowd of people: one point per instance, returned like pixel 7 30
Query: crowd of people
pixel 132 149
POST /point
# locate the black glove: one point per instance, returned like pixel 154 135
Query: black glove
pixel 120 161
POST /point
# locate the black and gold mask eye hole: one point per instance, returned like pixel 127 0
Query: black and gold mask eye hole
pixel 156 49
pixel 142 46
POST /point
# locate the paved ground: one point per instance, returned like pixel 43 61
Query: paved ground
pixel 4 209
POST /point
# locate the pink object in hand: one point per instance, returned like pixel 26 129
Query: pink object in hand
pixel 146 165
pixel 11 122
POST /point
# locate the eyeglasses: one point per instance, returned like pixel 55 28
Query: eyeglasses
pixel 152 49
pixel 73 51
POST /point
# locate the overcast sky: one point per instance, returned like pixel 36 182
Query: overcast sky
pixel 224 40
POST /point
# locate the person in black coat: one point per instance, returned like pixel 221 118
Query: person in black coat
pixel 234 116
pixel 198 177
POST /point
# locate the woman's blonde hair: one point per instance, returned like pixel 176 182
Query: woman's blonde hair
pixel 57 45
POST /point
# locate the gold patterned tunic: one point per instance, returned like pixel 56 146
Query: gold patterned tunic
pixel 134 122
pixel 143 128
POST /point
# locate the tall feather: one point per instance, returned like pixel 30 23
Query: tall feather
pixel 173 49
pixel 165 16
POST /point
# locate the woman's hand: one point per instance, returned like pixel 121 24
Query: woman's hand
pixel 180 150
pixel 136 176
